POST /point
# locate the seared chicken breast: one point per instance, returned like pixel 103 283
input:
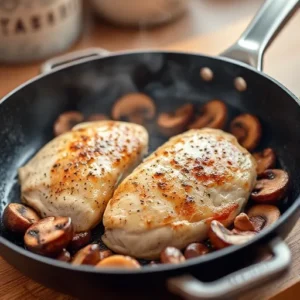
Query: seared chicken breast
pixel 76 173
pixel 171 198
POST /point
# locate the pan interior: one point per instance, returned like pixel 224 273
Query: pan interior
pixel 171 79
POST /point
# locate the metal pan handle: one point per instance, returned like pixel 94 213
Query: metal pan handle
pixel 69 58
pixel 191 288
pixel 272 16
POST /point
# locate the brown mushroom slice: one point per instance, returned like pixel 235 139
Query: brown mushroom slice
pixel 221 237
pixel 119 261
pixel 212 114
pixel 89 255
pixel 49 236
pixel 243 223
pixel 18 217
pixel 154 263
pixel 174 123
pixel 97 117
pixel 171 255
pixel 105 253
pixel 64 256
pixel 271 186
pixel 195 250
pixel 134 107
pixel 265 160
pixel 66 121
pixel 268 213
pixel 80 240
pixel 247 129
pixel 258 223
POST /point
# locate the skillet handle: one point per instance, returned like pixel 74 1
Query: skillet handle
pixel 191 288
pixel 69 58
pixel 267 23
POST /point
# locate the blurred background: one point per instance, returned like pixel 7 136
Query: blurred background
pixel 198 17
pixel 136 23
pixel 32 31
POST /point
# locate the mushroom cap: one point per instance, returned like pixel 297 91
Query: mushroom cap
pixel 269 213
pixel 171 255
pixel 243 223
pixel 221 237
pixel 64 256
pixel 97 117
pixel 80 240
pixel 195 250
pixel 66 121
pixel 18 217
pixel 89 255
pixel 213 114
pixel 105 254
pixel 174 123
pixel 134 107
pixel 247 129
pixel 119 261
pixel 271 186
pixel 265 159
pixel 49 236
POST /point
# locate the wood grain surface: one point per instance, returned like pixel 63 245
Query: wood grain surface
pixel 282 62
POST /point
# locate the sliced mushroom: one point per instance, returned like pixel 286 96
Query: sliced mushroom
pixel 221 237
pixel 247 129
pixel 171 255
pixel 105 253
pixel 195 250
pixel 258 223
pixel 18 217
pixel 154 263
pixel 243 223
pixel 271 186
pixel 134 107
pixel 212 114
pixel 80 240
pixel 265 160
pixel 89 255
pixel 119 261
pixel 49 236
pixel 64 256
pixel 97 117
pixel 263 215
pixel 66 121
pixel 174 123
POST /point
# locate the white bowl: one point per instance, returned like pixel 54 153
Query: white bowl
pixel 139 12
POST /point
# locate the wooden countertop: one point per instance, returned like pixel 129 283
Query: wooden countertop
pixel 282 62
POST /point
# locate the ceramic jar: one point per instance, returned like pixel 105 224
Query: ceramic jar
pixel 35 29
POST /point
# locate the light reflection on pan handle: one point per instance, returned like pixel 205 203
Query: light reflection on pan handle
pixel 71 58
pixel 267 23
pixel 229 286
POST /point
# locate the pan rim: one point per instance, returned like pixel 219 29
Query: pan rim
pixel 167 267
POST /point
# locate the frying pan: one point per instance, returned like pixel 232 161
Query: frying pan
pixel 91 81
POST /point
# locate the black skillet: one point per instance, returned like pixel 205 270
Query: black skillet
pixel 92 84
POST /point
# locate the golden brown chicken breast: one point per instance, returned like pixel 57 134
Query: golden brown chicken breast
pixel 76 173
pixel 171 198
